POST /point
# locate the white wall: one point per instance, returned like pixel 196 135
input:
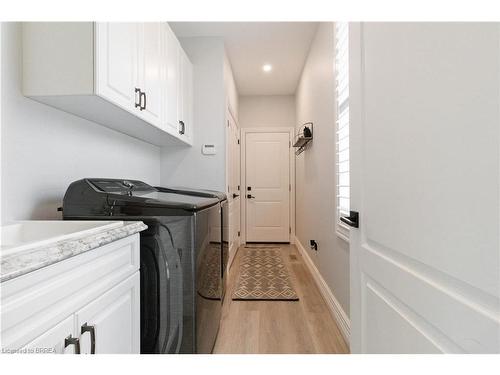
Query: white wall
pixel 44 149
pixel 186 166
pixel 315 168
pixel 267 110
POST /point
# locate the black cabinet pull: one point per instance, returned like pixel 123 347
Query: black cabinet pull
pixel 182 127
pixel 138 98
pixel 70 340
pixel 235 195
pixel 250 196
pixel 143 95
pixel 352 220
pixel 91 330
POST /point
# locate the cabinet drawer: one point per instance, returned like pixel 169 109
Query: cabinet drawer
pixel 41 299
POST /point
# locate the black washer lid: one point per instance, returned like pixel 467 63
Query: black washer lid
pixel 195 192
pixel 122 192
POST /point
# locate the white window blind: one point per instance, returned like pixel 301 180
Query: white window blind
pixel 342 121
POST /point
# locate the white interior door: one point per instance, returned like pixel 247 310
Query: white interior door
pixel 425 261
pixel 234 189
pixel 267 190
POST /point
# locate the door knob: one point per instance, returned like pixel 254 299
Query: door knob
pixel 250 196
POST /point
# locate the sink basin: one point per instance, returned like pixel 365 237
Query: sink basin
pixel 26 235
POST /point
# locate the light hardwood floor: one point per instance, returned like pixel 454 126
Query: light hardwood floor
pixel 261 327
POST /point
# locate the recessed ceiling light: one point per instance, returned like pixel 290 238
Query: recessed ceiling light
pixel 267 68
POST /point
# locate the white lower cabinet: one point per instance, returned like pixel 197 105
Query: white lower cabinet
pixel 56 340
pixel 89 303
pixel 110 324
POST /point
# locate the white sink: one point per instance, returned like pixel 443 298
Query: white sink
pixel 26 235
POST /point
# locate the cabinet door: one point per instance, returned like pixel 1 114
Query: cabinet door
pixel 116 63
pixel 53 340
pixel 186 96
pixel 115 319
pixel 151 69
pixel 173 82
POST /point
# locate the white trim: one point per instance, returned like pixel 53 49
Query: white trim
pixel 333 304
pixel 244 131
pixel 342 230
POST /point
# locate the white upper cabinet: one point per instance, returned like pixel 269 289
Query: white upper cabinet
pixel 117 63
pixel 150 78
pixel 173 81
pixel 186 97
pixel 179 89
pixel 125 76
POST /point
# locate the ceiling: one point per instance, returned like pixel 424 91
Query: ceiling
pixel 250 45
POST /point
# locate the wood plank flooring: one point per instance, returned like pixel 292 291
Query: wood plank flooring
pixel 273 327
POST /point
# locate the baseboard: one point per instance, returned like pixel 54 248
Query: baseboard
pixel 336 310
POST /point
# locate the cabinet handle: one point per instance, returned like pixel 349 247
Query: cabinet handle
pixel 91 330
pixel 182 128
pixel 70 340
pixel 137 98
pixel 143 94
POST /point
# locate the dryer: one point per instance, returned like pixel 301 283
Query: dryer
pixel 182 256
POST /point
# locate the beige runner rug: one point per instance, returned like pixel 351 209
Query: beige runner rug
pixel 263 276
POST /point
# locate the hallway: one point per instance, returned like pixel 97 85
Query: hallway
pixel 279 327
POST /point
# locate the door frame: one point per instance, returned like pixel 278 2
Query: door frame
pixel 291 133
pixel 229 116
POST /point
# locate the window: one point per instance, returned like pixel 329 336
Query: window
pixel 342 124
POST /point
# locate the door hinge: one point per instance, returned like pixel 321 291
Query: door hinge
pixel 238 141
pixel 238 233
pixel 290 230
pixel 238 187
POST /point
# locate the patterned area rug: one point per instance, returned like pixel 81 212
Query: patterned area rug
pixel 263 276
pixel 209 283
